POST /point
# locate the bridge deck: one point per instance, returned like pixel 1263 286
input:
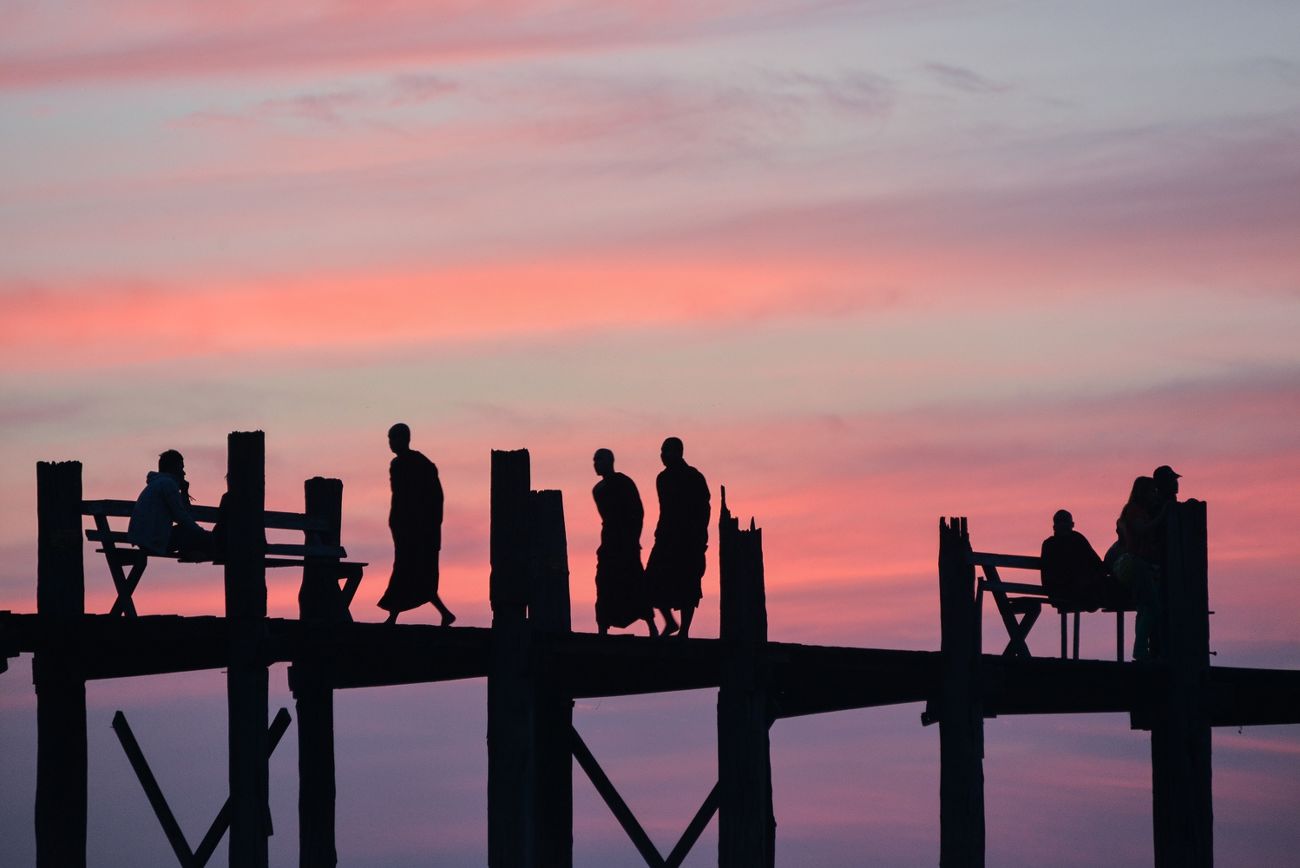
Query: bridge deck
pixel 804 679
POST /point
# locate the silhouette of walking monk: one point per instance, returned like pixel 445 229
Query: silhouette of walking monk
pixel 416 522
pixel 676 563
pixel 621 598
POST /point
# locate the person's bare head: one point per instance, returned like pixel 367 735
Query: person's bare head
pixel 399 438
pixel 671 452
pixel 1062 522
pixel 603 462
pixel 171 462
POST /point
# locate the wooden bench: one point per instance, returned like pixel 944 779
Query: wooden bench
pixel 127 562
pixel 1020 604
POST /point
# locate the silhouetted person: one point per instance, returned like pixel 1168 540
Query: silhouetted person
pixel 676 563
pixel 416 522
pixel 1166 483
pixel 621 598
pixel 1073 575
pixel 1141 532
pixel 160 520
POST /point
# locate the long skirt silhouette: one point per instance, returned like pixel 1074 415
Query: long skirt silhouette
pixel 416 522
pixel 415 573
pixel 674 573
pixel 621 598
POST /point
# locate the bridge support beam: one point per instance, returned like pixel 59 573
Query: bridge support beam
pixel 319 605
pixel 746 823
pixel 246 676
pixel 60 686
pixel 1182 801
pixel 549 615
pixel 512 779
pixel 960 711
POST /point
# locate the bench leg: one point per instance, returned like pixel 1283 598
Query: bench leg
pixel 1076 635
pixel 1017 647
pixel 126 584
pixel 1119 636
pixel 1065 635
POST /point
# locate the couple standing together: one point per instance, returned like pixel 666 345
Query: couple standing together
pixel 626 593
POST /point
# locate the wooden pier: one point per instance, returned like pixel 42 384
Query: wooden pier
pixel 536 666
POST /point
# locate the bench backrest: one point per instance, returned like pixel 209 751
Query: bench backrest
pixel 271 519
pixel 101 510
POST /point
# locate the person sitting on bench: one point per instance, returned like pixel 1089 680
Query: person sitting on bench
pixel 1073 575
pixel 161 523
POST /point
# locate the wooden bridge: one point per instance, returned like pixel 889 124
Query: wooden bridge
pixel 536 667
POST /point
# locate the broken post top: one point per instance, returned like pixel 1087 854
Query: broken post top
pixel 742 597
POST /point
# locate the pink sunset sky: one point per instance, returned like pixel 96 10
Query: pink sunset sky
pixel 875 262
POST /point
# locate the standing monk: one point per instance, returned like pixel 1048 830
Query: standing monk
pixel 676 563
pixel 416 522
pixel 620 581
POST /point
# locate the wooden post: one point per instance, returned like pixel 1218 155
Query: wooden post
pixel 511 759
pixel 746 824
pixel 246 678
pixel 961 719
pixel 1182 799
pixel 319 598
pixel 60 687
pixel 549 617
pixel 319 606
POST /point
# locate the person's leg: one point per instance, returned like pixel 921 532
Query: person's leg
pixel 392 617
pixel 1144 596
pixel 447 617
pixel 670 623
pixel 191 543
pixel 650 622
pixel 688 615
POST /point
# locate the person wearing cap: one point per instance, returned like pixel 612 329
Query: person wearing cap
pixel 1166 483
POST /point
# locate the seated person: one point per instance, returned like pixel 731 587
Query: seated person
pixel 1073 575
pixel 161 522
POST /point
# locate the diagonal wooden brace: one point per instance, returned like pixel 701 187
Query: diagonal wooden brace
pixel 628 820
pixel 180 846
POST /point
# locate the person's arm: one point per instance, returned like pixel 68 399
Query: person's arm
pixel 436 505
pixel 176 505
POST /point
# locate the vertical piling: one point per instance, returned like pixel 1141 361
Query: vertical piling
pixel 1182 801
pixel 60 686
pixel 549 618
pixel 246 678
pixel 961 719
pixel 510 729
pixel 319 608
pixel 746 823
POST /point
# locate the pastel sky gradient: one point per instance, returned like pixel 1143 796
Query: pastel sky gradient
pixel 875 262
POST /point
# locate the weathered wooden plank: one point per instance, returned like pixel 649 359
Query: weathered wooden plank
pixel 319 603
pixel 152 792
pixel 617 806
pixel 61 784
pixel 246 675
pixel 549 616
pixel 511 690
pixel 989 559
pixel 1182 797
pixel 311 550
pixel 960 709
pixel 746 823
pixel 208 514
